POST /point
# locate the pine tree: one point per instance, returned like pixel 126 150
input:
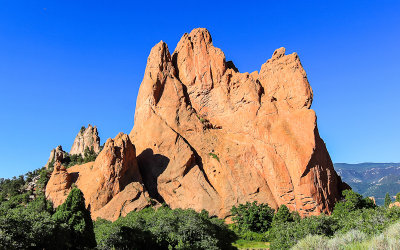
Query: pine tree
pixel 387 200
pixel 282 215
pixel 75 228
pixel 398 197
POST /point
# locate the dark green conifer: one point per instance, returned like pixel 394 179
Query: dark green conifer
pixel 75 223
pixel 387 200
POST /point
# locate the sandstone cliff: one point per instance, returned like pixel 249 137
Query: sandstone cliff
pixel 86 138
pixel 112 185
pixel 209 137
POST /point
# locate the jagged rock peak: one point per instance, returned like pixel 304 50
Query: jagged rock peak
pixel 56 154
pixel 86 138
pixel 209 137
pixel 111 184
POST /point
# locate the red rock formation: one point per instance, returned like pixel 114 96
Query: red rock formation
pixel 57 189
pixel 209 137
pixel 56 154
pixel 394 204
pixel 112 185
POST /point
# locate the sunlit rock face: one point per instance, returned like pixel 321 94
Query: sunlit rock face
pixel 112 185
pixel 206 136
pixel 86 138
pixel 209 137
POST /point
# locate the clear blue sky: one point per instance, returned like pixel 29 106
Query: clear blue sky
pixel 64 64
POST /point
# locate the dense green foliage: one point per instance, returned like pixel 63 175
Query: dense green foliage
pixel 252 216
pixel 164 228
pixel 387 200
pixel 354 212
pixel 28 221
pixel 72 160
pixel 74 224
pixel 26 227
pixel 352 201
pixel 354 219
pixel 32 224
pixel 353 239
pixel 16 186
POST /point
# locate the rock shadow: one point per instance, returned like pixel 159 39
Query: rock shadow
pixel 74 176
pixel 151 166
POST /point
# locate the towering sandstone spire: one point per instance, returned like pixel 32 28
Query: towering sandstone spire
pixel 86 138
pixel 209 137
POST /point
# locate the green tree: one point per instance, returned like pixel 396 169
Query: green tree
pixel 388 200
pixel 252 216
pixel 352 201
pixel 283 215
pixel 164 228
pixel 398 197
pixel 75 226
pixel 90 155
pixel 24 228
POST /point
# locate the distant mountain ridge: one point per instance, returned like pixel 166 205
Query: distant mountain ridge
pixel 371 179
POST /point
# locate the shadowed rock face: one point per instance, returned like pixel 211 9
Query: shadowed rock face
pixel 209 137
pixel 86 138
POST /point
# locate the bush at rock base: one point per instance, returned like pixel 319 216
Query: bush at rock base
pixel 164 228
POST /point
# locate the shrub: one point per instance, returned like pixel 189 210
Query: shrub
pixel 311 242
pixel 252 217
pixel 283 215
pixel 22 228
pixel 369 221
pixel 83 128
pixel 214 156
pixel 352 201
pixel 75 159
pixel 165 228
pixel 342 240
pixel 389 239
pixel 90 155
pixel 286 234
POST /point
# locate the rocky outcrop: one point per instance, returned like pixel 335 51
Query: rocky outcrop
pixel 58 187
pixel 394 204
pixel 86 138
pixel 209 137
pixel 56 154
pixel 112 185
